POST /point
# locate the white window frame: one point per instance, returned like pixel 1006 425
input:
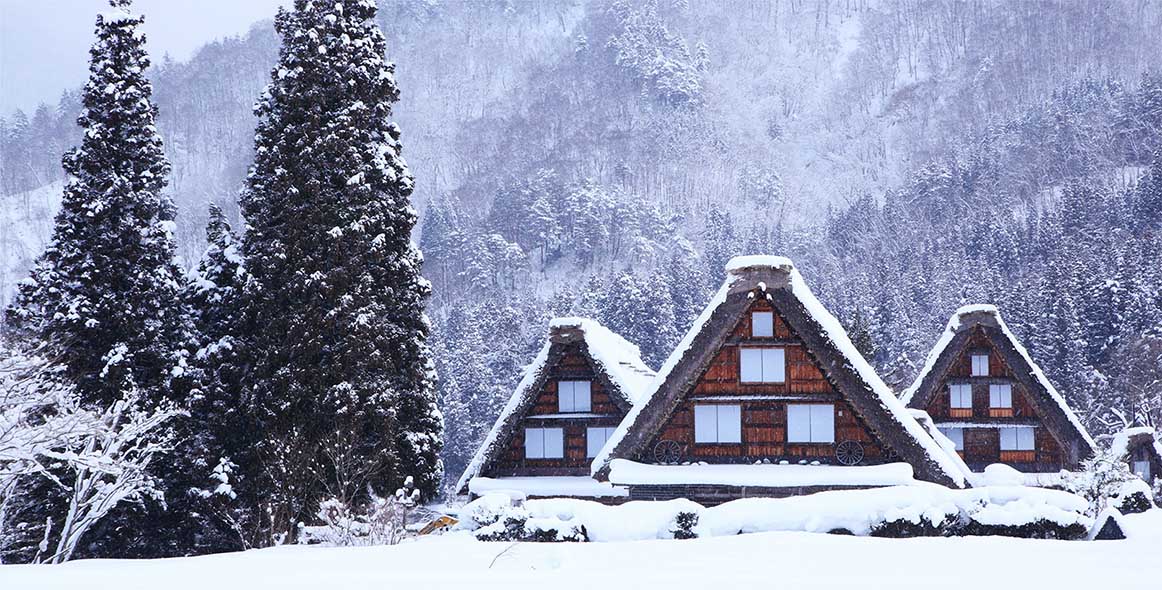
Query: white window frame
pixel 770 360
pixel 819 427
pixel 1142 470
pixel 569 393
pixel 599 435
pixel 717 423
pixel 1000 395
pixel 956 435
pixel 1018 439
pixel 956 393
pixel 762 324
pixel 544 443
pixel 980 364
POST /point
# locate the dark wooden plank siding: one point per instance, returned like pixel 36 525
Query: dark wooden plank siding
pixel 573 366
pixel 764 405
pixel 982 445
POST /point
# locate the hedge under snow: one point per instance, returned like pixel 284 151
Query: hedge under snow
pixel 1014 510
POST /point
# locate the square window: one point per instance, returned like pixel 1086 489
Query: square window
pixel 956 435
pixel 595 439
pixel 1017 439
pixel 980 365
pixel 717 424
pixel 544 443
pixel 810 423
pixel 762 365
pixel 960 395
pixel 762 324
pixel 1000 395
pixel 574 396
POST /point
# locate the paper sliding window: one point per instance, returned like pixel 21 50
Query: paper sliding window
pixel 762 365
pixel 717 424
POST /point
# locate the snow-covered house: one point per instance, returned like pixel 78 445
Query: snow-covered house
pixel 767 396
pixel 571 398
pixel 985 393
pixel 1142 450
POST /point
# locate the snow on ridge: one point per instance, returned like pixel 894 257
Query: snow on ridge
pixel 739 263
pixel 544 485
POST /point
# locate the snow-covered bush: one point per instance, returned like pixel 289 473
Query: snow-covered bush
pixel 382 522
pixel 906 511
pixel 499 517
pixel 684 524
pixel 1100 479
pixel 1134 497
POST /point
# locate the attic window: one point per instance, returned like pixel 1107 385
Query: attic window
pixel 544 443
pixel 574 396
pixel 980 365
pixel 762 365
pixel 762 324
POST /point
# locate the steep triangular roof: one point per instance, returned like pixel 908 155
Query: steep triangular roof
pixel 616 362
pixel 1050 405
pixel 776 278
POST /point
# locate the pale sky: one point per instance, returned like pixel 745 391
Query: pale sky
pixel 44 44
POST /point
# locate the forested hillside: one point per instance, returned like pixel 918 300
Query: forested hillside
pixel 607 157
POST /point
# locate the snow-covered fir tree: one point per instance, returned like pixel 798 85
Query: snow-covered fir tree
pixel 103 297
pixel 104 300
pixel 335 284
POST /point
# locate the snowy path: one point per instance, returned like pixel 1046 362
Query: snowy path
pixel 769 560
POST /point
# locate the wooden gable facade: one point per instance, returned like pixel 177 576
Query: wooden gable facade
pixel 571 399
pixel 767 376
pixel 763 406
pixel 984 393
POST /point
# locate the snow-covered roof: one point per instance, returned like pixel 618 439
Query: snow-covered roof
pixel 945 443
pixel 613 356
pixel 1120 444
pixel 619 358
pixel 785 277
pixel 968 316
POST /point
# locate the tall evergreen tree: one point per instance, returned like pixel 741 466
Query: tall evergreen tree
pixel 342 374
pixel 104 296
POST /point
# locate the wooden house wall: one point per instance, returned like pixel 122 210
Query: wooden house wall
pixel 982 445
pixel 1144 451
pixel 764 405
pixel 573 365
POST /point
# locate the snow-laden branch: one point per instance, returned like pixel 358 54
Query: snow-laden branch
pixel 98 456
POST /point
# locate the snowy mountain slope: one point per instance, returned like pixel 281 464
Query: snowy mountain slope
pixel 26 221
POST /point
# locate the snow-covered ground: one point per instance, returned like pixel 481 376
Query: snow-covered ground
pixel 767 560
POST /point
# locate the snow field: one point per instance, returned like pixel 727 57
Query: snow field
pixel 782 560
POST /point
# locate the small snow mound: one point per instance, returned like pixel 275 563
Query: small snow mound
pixel 740 263
pixel 999 474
